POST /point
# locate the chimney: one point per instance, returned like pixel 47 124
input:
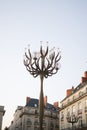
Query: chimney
pixel 45 101
pixel 69 91
pixel 56 105
pixel 85 74
pixel 84 78
pixel 27 100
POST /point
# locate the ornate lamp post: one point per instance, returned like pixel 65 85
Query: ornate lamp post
pixel 43 64
pixel 72 119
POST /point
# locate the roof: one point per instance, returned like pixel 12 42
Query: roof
pixel 35 103
pixel 81 85
pixel 32 102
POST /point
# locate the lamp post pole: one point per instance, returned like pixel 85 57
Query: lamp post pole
pixel 43 63
pixel 41 103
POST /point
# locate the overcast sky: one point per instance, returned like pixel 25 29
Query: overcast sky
pixel 61 22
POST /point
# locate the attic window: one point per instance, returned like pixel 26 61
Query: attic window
pixel 68 100
pixel 80 93
pixel 35 105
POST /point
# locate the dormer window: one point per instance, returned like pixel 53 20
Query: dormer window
pixel 73 97
pixel 68 101
pixel 80 93
pixel 35 105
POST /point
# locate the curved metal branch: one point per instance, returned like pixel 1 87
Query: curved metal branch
pixel 37 64
pixel 29 53
pixel 46 51
pixel 42 65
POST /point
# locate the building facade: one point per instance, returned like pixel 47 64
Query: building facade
pixel 73 109
pixel 2 111
pixel 27 117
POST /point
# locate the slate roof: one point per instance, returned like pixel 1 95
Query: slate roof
pixel 35 103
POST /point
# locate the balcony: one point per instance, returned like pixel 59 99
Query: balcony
pixel 28 111
pixel 80 111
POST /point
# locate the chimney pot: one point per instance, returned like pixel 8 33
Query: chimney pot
pixel 84 78
pixel 56 105
pixel 69 91
pixel 85 74
pixel 45 101
pixel 27 100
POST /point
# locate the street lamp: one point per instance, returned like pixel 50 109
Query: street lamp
pixel 72 119
pixel 43 63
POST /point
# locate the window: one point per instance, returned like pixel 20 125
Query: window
pixel 73 109
pixel 36 123
pixel 79 105
pixel 80 122
pixel 28 123
pixel 68 111
pixel 62 127
pixel 86 102
pixel 68 125
pixel 62 116
pixel 36 111
pixel 79 108
pixel 44 123
pixel 28 127
pixel 86 119
pixel 35 128
pixel 86 105
pixel 56 126
pixel 51 124
pixel 16 128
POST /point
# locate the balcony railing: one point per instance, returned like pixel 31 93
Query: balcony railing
pixel 80 111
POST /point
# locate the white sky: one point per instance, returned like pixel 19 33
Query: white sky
pixel 61 22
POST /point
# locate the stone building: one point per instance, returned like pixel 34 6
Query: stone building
pixel 27 117
pixel 73 111
pixel 2 111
